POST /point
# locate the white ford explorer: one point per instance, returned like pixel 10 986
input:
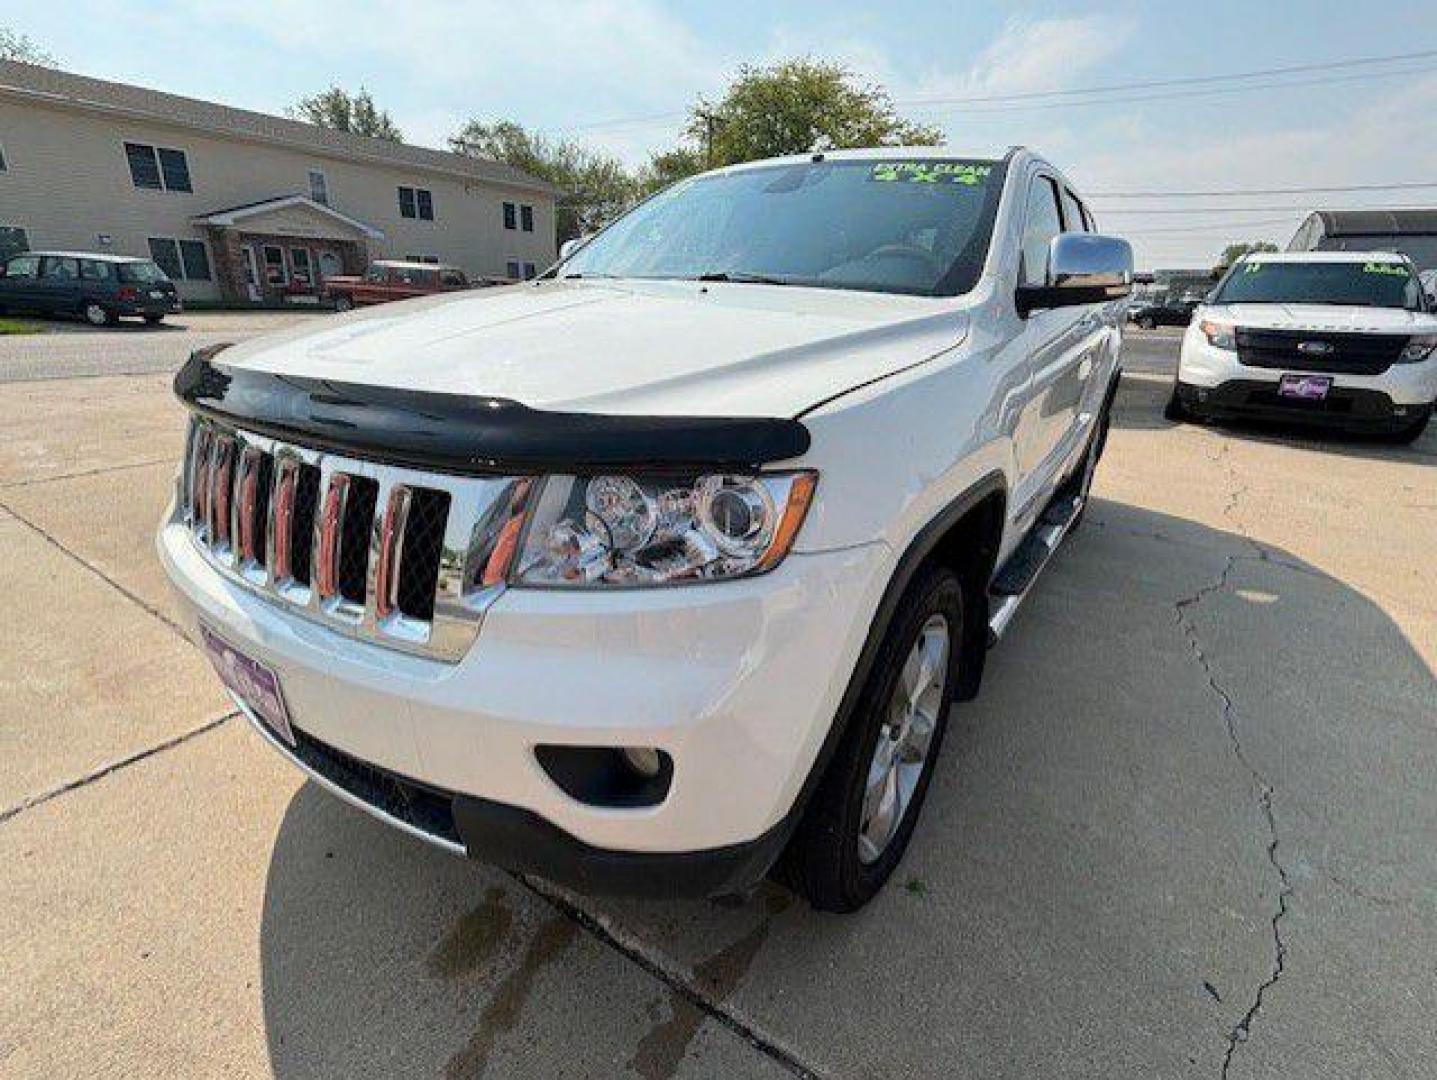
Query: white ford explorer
pixel 663 570
pixel 1338 338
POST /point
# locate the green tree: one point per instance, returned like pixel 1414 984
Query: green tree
pixel 797 106
pixel 1233 252
pixel 594 187
pixel 337 109
pixel 16 46
pixel 666 168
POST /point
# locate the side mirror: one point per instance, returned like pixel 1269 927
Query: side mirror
pixel 569 247
pixel 1083 268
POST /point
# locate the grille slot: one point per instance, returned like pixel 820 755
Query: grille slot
pixel 423 546
pixel 1334 352
pixel 372 551
pixel 356 531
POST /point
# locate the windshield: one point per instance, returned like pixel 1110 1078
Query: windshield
pixel 911 226
pixel 1365 284
pixel 141 273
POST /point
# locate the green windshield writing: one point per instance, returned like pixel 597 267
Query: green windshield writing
pixel 1394 269
pixel 931 172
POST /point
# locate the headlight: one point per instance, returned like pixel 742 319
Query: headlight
pixel 1418 348
pixel 655 529
pixel 1219 335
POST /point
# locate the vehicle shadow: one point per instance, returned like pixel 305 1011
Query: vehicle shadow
pixel 1139 407
pixel 1095 877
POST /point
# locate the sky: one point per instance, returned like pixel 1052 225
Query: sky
pixel 620 76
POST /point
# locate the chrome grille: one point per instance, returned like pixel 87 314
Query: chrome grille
pixel 390 555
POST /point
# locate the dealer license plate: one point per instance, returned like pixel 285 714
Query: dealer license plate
pixel 1305 387
pixel 252 682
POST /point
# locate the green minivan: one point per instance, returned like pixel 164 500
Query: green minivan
pixel 98 288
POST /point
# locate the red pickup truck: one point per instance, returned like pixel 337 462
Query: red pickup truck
pixel 392 279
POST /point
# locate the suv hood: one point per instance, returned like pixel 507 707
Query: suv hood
pixel 1334 317
pixel 630 348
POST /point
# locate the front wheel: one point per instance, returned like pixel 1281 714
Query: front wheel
pixel 154 320
pixel 1147 322
pixel 861 817
pixel 342 302
pixel 1175 411
pixel 1412 432
pixel 97 314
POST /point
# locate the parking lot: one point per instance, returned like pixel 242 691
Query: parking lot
pixel 1186 830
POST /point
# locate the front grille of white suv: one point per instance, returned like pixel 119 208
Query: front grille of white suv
pixel 380 553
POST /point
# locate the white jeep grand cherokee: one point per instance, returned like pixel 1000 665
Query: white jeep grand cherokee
pixel 666 567
pixel 1338 338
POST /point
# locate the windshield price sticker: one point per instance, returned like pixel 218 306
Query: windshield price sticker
pixel 1392 269
pixel 931 172
pixel 1251 268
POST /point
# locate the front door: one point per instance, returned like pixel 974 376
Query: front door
pixel 251 273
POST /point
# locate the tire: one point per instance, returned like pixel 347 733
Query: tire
pixel 342 302
pixel 154 320
pixel 1176 411
pixel 843 852
pixel 97 314
pixel 1412 432
pixel 1147 322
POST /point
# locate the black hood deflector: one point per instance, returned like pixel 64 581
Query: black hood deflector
pixel 462 434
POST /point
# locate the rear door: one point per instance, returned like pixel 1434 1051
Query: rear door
pixel 58 289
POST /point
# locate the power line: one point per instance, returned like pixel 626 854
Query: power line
pixel 1186 81
pixel 1209 228
pixel 1229 192
pixel 1046 96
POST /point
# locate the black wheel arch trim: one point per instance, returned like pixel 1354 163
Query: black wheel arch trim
pixel 923 545
pixel 474 434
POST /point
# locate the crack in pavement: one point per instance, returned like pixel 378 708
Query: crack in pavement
pixel 11 485
pixel 679 983
pixel 113 767
pixel 1243 1028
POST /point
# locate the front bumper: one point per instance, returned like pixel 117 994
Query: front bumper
pixel 1344 408
pixel 737 682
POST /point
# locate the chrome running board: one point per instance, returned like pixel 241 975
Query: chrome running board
pixel 1014 581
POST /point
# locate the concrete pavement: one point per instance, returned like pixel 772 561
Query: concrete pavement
pixel 1185 830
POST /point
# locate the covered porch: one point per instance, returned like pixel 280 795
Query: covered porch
pixel 283 248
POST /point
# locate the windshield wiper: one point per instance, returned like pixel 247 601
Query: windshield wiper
pixel 739 277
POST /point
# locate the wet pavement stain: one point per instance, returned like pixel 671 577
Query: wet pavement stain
pixel 473 939
pixel 660 1051
pixel 506 1005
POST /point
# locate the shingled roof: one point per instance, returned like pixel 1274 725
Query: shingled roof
pixel 61 89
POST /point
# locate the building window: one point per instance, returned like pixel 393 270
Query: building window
pixel 12 241
pixel 274 273
pixel 3 165
pixel 433 260
pixel 195 259
pixel 529 271
pixel 318 187
pixel 158 168
pixel 512 270
pixel 509 211
pixel 416 203
pixel 166 254
pixel 526 218
pixel 23 267
pixel 181 260
pixel 299 259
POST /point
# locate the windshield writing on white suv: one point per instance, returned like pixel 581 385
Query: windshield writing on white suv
pixel 917 226
pixel 1365 284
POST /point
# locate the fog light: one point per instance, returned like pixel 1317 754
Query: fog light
pixel 644 760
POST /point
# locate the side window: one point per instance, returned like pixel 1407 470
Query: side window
pixel 95 270
pixel 1041 223
pixel 374 275
pixel 425 201
pixel 526 218
pixel 451 279
pixel 1073 213
pixel 54 269
pixel 13 240
pixel 23 267
pixel 510 218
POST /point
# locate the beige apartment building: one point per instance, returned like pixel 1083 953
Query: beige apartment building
pixel 238 205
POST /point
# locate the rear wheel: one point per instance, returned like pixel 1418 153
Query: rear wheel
pixel 861 817
pixel 342 302
pixel 1147 322
pixel 1175 410
pixel 154 320
pixel 97 314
